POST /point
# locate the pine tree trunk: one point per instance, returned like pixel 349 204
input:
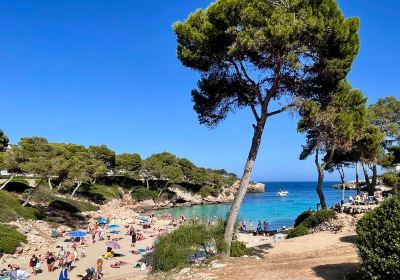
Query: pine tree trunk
pixel 7 181
pixel 341 173
pixel 49 183
pixel 365 171
pixel 147 184
pixel 320 193
pixel 244 182
pixel 32 193
pixel 76 188
pixel 371 189
pixel 357 179
pixel 163 189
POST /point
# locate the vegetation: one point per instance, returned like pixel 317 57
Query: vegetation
pixel 175 248
pixel 331 127
pixel 50 198
pixel 303 216
pixel 254 53
pixel 390 179
pixel 297 231
pixel 378 241
pixel 307 220
pixel 11 208
pixel 10 239
pixel 143 193
pixel 3 141
pixel 238 249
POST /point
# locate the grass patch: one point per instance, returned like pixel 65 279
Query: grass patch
pixel 99 193
pixel 11 208
pixel 142 193
pixel 62 203
pixel 175 248
pixel 10 239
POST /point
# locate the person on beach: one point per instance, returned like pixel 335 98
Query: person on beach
pixel 259 227
pixel 12 267
pixel 94 235
pixel 33 264
pixel 133 235
pixel 50 260
pixel 83 253
pixel 69 258
pixel 75 252
pixel 63 273
pixel 99 267
pixel 250 225
pixel 243 225
pixel 266 226
pixel 61 257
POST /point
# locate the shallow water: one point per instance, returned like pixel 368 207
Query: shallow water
pixel 279 211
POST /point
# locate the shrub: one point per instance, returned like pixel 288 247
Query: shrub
pixel 238 249
pixel 319 217
pixel 62 203
pixel 99 193
pixel 208 190
pixel 390 179
pixel 174 249
pixel 11 208
pixel 378 241
pixel 299 230
pixel 141 194
pixel 10 239
pixel 303 216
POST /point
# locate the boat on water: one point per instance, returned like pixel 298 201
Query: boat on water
pixel 283 193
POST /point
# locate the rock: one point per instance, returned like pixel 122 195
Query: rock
pixel 19 250
pixel 185 270
pixel 147 203
pixel 182 196
pixel 252 188
pixel 218 265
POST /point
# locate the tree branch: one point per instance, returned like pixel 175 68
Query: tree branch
pixel 280 110
pixel 256 88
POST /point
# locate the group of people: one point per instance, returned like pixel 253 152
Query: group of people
pixel 361 198
pixel 261 226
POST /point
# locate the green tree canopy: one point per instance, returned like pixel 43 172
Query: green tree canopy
pixel 3 141
pixel 252 52
pixel 104 154
pixel 129 164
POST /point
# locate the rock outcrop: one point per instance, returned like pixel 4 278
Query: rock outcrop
pixel 252 188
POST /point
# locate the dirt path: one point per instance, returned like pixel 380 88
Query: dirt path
pixel 323 255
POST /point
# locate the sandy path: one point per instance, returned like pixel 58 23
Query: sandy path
pixel 322 255
pixel 93 251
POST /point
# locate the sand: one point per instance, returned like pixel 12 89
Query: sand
pixel 93 251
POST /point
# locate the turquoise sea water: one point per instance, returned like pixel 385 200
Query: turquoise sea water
pixel 279 211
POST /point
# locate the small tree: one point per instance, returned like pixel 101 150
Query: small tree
pixel 104 154
pixel 331 128
pixel 3 141
pixel 11 161
pixel 251 53
pixel 128 164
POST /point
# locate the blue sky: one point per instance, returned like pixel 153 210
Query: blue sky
pixel 106 72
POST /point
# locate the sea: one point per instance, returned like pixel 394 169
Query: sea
pixel 278 211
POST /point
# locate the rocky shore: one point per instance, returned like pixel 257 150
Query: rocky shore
pixel 183 198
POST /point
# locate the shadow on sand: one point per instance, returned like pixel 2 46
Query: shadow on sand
pixel 335 271
pixel 349 239
pixel 259 251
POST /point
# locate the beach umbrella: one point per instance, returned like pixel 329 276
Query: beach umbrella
pixel 113 226
pixel 76 233
pixel 18 275
pixel 102 221
pixel 113 244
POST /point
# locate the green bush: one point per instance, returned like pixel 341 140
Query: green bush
pixel 390 179
pixel 299 230
pixel 142 193
pixel 209 191
pixel 174 249
pixel 319 217
pixel 378 241
pixel 99 193
pixel 303 216
pixel 10 239
pixel 11 208
pixel 238 249
pixel 62 203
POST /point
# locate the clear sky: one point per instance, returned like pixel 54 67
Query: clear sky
pixel 106 72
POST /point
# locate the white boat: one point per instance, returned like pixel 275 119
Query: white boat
pixel 283 193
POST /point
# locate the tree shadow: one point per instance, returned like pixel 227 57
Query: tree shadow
pixel 348 239
pixel 260 250
pixel 335 271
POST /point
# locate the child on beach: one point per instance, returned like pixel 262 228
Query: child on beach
pixel 99 267
pixel 83 253
pixel 33 263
